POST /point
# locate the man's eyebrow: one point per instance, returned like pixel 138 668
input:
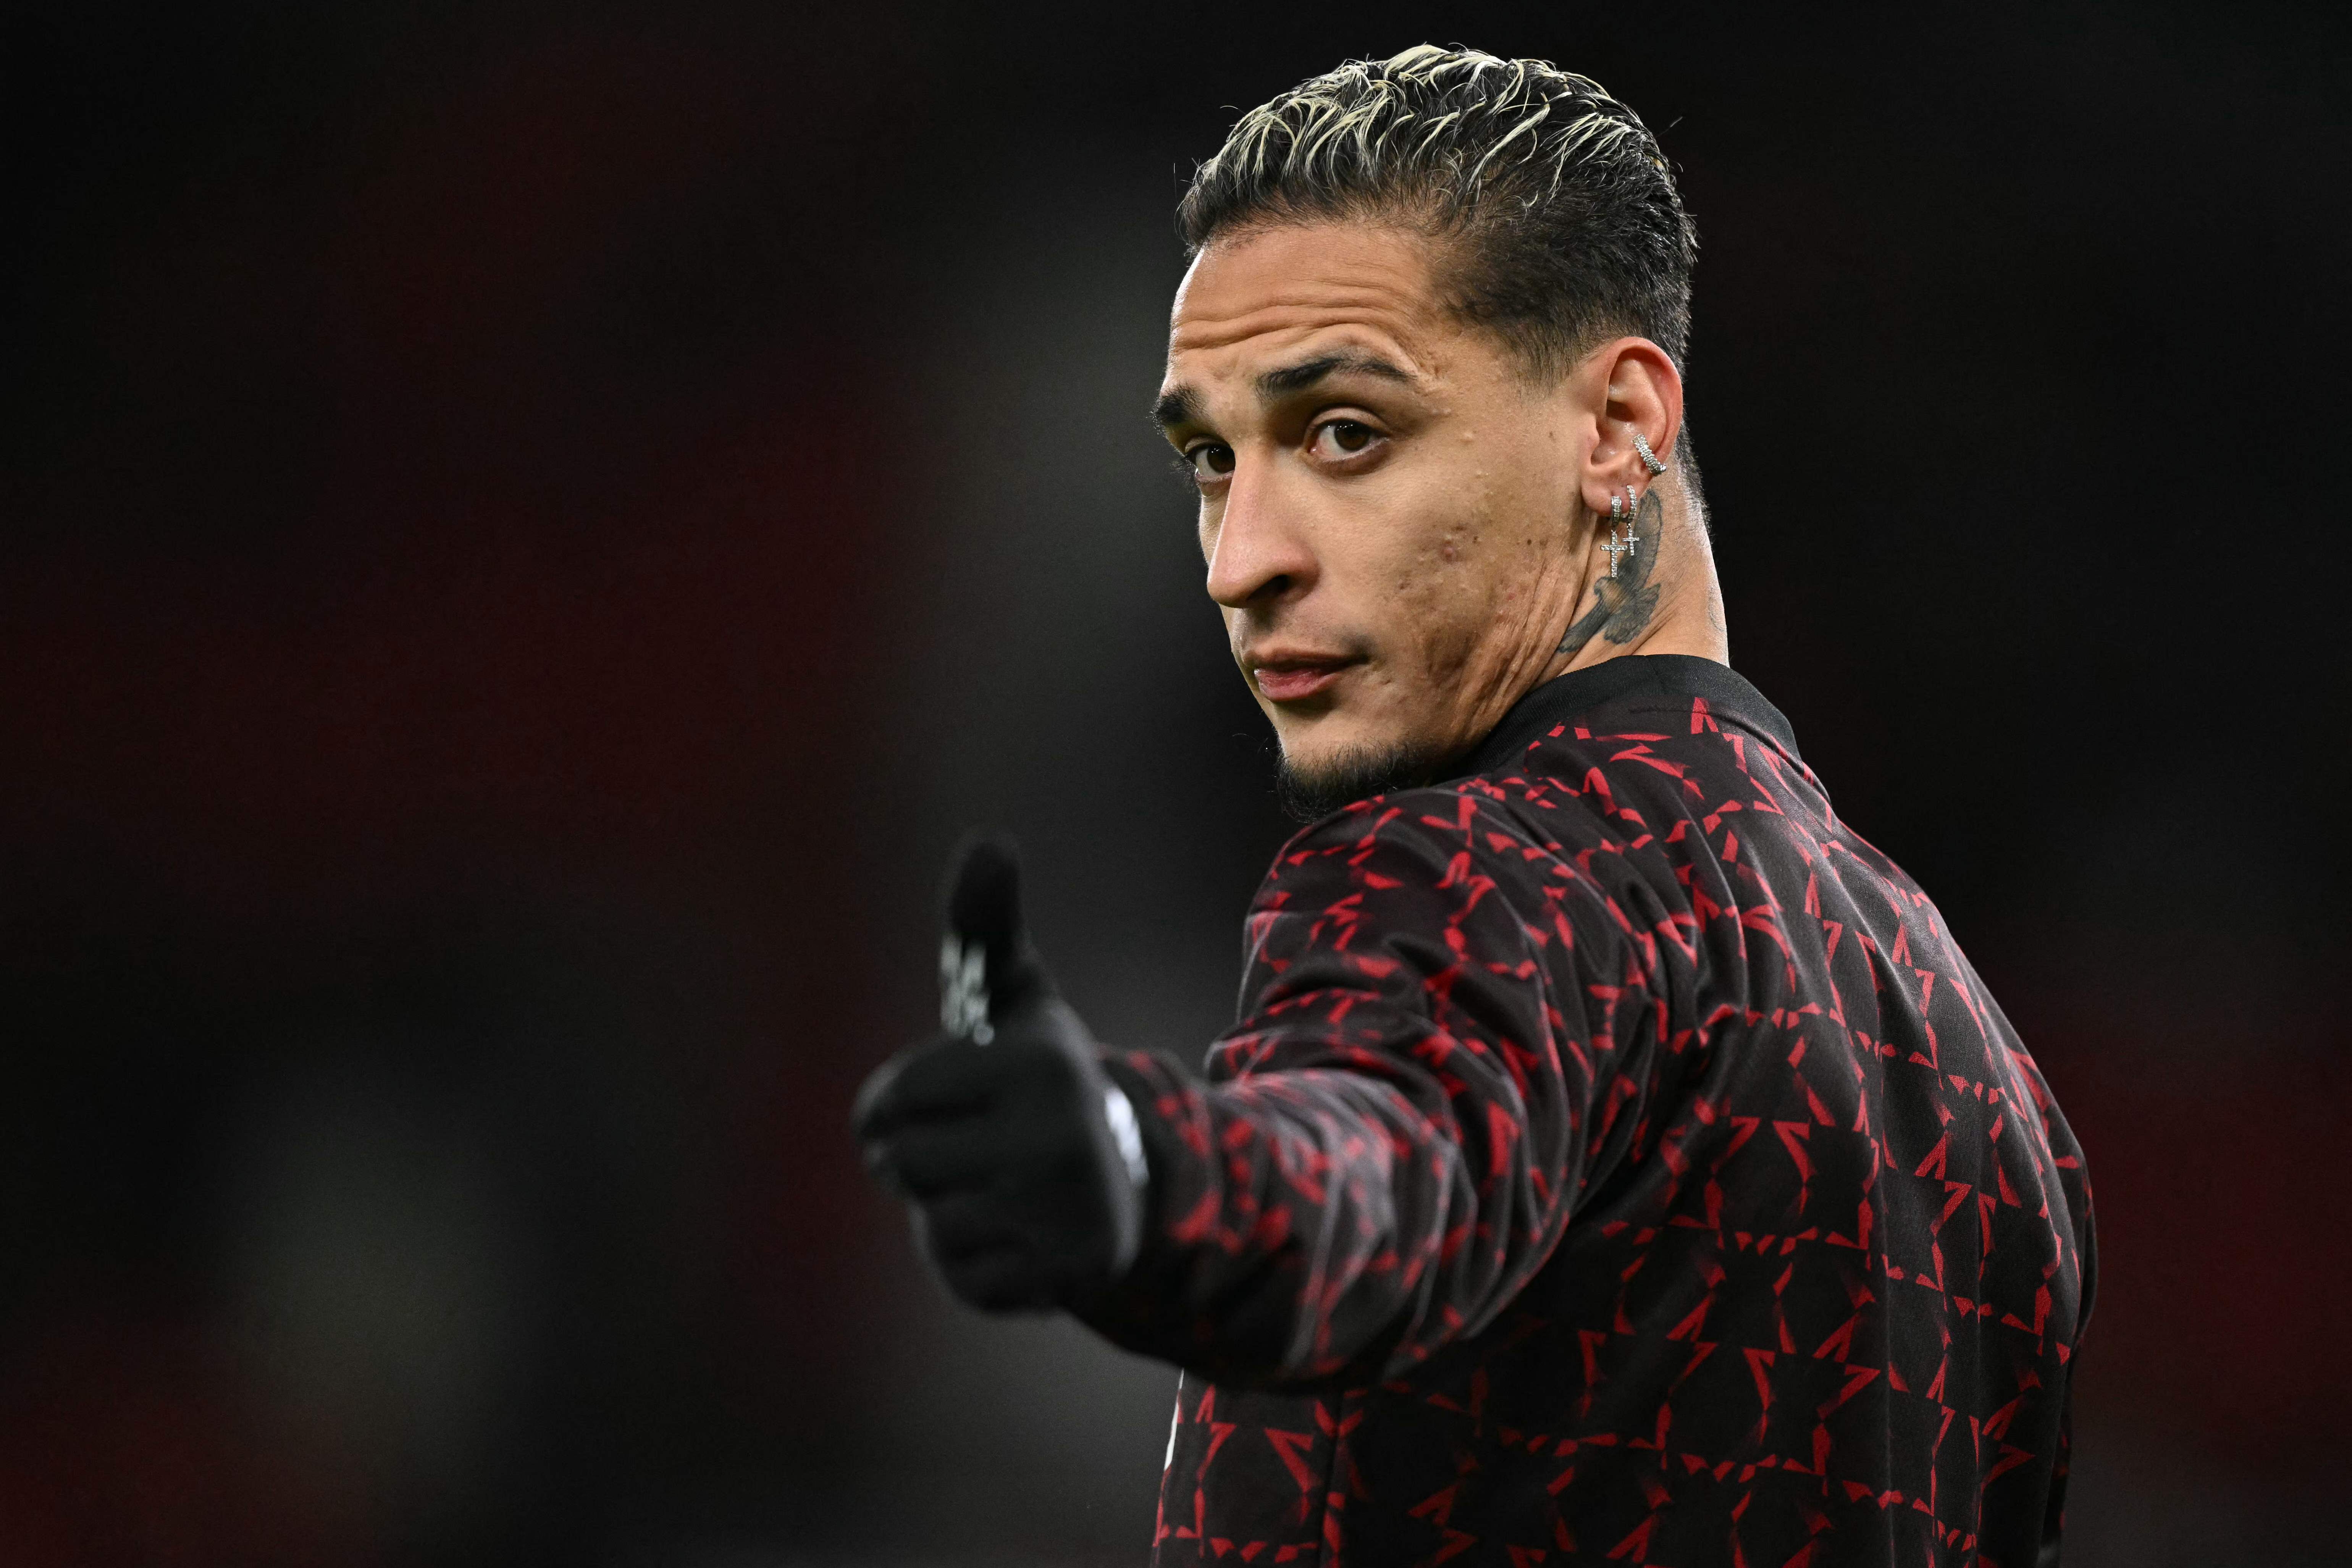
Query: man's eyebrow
pixel 1176 406
pixel 1182 405
pixel 1275 383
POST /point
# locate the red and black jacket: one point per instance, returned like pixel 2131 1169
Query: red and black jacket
pixel 1615 1161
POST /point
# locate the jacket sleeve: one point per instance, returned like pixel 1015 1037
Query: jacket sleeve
pixel 1440 1024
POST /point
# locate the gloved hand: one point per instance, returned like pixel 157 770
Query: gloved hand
pixel 1021 1159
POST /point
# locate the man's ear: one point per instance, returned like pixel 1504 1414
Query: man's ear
pixel 1634 389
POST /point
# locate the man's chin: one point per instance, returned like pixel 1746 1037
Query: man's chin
pixel 1315 784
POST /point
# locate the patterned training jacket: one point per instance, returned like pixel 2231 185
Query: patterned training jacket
pixel 1615 1161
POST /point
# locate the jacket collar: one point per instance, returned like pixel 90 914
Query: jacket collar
pixel 1672 676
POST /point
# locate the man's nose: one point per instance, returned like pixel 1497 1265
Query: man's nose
pixel 1259 553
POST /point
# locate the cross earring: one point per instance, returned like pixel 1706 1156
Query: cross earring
pixel 1622 512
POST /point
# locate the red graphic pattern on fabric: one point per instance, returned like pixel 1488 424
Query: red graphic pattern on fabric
pixel 1615 1161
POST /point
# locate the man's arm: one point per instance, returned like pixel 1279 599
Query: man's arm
pixel 1388 1146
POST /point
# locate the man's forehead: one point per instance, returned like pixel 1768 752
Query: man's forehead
pixel 1278 292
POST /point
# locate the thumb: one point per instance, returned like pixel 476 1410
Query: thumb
pixel 988 968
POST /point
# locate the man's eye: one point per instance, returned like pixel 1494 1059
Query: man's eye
pixel 1342 439
pixel 1210 461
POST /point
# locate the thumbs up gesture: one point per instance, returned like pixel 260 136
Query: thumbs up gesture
pixel 1021 1159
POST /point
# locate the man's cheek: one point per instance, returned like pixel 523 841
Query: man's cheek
pixel 1388 698
pixel 1432 639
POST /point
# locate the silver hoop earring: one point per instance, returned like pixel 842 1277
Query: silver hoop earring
pixel 1649 458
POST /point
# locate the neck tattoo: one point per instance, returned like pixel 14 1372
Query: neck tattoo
pixel 1623 601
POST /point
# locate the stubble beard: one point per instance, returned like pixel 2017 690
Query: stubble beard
pixel 1309 793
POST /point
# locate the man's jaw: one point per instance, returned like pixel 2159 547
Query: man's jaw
pixel 1331 776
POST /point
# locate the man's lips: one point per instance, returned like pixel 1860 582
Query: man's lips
pixel 1294 679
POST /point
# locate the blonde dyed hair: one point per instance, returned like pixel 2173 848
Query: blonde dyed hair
pixel 1556 211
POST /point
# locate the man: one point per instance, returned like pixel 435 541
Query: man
pixel 1614 1159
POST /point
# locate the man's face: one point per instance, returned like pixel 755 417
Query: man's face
pixel 1387 505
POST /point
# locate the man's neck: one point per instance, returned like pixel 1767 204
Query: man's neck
pixel 1650 587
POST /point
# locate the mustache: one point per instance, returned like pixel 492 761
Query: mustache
pixel 1247 638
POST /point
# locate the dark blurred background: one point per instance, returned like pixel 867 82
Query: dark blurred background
pixel 527 530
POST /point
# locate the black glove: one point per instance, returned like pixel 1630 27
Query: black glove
pixel 1020 1158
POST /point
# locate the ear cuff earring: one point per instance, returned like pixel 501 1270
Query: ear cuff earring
pixel 1622 508
pixel 1620 513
